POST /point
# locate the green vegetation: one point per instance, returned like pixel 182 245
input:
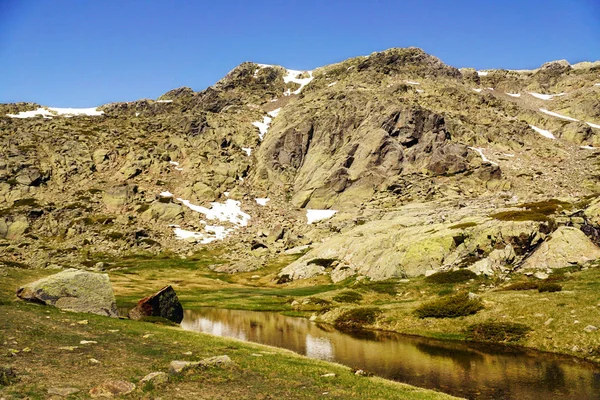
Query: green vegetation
pixel 458 305
pixel 389 287
pixel 527 285
pixel 348 297
pixel 548 207
pixel 129 350
pixel 521 215
pixel 549 287
pixel 458 276
pixel 158 321
pixel 356 318
pixel 497 332
pixel 464 225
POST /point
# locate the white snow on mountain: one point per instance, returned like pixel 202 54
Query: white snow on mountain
pixel 263 126
pixel 479 150
pixel 49 112
pixel 262 201
pixel 545 96
pixel 543 132
pixel 552 113
pixel 318 215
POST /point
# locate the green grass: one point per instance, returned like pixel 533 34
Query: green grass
pixel 458 305
pixel 348 296
pixel 458 276
pixel 128 350
pixel 497 332
pixel 356 318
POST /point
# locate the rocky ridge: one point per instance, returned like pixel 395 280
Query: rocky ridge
pixel 427 166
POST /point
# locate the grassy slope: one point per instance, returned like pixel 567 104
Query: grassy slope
pixel 129 350
pixel 197 286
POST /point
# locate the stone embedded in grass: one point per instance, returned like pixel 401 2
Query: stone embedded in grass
pixel 62 392
pixel 179 367
pixel 163 304
pixel 73 290
pixel 155 378
pixel 112 388
pixel 590 328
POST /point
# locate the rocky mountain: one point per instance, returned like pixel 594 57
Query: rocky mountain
pixel 419 165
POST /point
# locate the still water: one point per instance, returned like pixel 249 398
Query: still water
pixel 466 370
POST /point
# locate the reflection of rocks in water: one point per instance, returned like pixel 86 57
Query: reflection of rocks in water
pixel 319 347
pixel 462 356
pixel 470 370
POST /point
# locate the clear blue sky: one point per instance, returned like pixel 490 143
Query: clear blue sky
pixel 83 53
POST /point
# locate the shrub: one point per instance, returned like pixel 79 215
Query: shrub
pixel 521 215
pixel 464 225
pixel 449 307
pixel 390 288
pixel 348 297
pixel 323 262
pixel 549 287
pixel 356 318
pixel 461 275
pixel 529 285
pixel 498 332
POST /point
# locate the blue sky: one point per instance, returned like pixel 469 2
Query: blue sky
pixel 83 53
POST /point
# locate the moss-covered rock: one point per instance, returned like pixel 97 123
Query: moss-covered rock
pixel 73 290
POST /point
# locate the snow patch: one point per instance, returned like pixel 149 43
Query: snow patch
pixel 228 211
pixel 545 96
pixel 318 215
pixel 587 147
pixel 178 169
pixel 274 113
pixel 420 90
pixel 292 76
pixel 483 157
pixel 49 112
pixel 248 150
pixel 332 83
pixel 412 82
pixel 508 155
pixel 175 163
pixel 477 90
pixel 552 113
pixel 212 233
pixel 514 94
pixel 166 194
pixel 543 132
pixel 262 201
pixel 164 101
pixel 483 73
pixel 263 127
pixel 593 125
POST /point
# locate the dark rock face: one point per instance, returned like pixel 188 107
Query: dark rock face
pixel 163 304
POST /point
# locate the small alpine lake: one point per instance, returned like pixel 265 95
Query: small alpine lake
pixel 471 370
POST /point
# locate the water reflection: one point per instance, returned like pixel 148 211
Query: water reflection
pixel 472 371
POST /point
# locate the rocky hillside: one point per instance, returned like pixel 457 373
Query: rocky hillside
pixel 402 164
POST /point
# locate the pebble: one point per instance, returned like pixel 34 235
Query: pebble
pixel 88 342
pixel 83 322
pixel 93 361
pixel 590 328
pixel 331 374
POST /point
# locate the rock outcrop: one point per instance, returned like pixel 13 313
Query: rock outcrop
pixel 73 290
pixel 566 246
pixel 163 303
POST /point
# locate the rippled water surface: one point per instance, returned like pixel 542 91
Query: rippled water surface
pixel 466 370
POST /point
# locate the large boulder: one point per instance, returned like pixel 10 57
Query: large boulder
pixel 73 290
pixel 566 246
pixel 163 304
